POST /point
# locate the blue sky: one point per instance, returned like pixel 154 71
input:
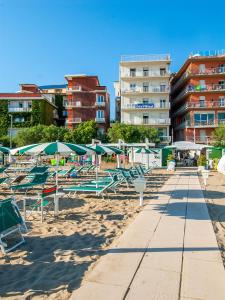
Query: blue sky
pixel 42 40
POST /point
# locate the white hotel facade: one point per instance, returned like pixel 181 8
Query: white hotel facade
pixel 144 91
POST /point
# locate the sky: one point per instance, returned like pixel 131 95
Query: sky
pixel 43 40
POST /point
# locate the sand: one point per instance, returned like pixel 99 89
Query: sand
pixel 214 194
pixel 59 252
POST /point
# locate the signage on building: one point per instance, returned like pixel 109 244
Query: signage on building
pixel 144 105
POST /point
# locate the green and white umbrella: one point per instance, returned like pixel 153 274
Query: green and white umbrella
pixel 145 151
pixel 53 148
pixel 100 149
pixel 4 150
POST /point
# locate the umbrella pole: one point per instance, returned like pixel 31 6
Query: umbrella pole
pixel 96 178
pixel 57 167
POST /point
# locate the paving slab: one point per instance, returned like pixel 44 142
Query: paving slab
pixel 168 252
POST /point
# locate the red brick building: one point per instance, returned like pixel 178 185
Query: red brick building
pixel 87 100
pixel 198 97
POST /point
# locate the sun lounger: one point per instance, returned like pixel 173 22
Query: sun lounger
pixel 99 190
pixel 39 179
pixel 11 223
pixel 38 170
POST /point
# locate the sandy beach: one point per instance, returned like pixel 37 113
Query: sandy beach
pixel 59 252
pixel 215 197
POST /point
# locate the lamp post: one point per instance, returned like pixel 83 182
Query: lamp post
pixel 10 135
pixel 140 186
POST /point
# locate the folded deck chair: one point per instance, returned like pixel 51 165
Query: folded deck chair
pixel 39 179
pixel 40 201
pixel 11 224
pixel 66 173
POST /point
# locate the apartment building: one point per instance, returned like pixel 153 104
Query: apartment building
pixel 198 97
pixel 26 108
pixel 144 91
pixel 116 85
pixel 87 100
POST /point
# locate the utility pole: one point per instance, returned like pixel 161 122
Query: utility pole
pixel 10 134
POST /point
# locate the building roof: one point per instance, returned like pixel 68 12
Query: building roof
pixel 20 95
pixel 52 86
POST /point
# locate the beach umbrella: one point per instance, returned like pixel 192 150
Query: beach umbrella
pixel 53 148
pixel 4 150
pixel 100 149
pixel 147 151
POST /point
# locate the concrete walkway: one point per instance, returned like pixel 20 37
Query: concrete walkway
pixel 168 252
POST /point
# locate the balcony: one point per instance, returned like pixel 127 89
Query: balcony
pixel 75 88
pixel 73 104
pixel 19 109
pixel 206 72
pixel 200 105
pixel 99 120
pixel 139 106
pixel 146 121
pixel 147 90
pixel 199 89
pixel 100 104
pixel 132 76
pixel 200 124
pixel 73 120
pixel 141 58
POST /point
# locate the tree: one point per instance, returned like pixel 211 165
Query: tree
pixel 219 136
pixel 27 136
pixel 132 133
pixel 83 133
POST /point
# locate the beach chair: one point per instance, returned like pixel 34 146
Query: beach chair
pixel 39 179
pixel 99 190
pixel 38 170
pixel 11 224
pixel 41 201
pixel 66 173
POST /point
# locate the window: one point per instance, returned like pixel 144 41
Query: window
pixel 202 101
pixel 203 119
pixel 132 72
pixel 100 98
pixel 221 84
pixel 145 86
pixel 162 87
pixel 145 101
pixel 221 68
pixel 101 131
pixel 18 119
pixel 162 71
pixel 132 86
pixel 202 84
pixel 145 71
pixel 145 119
pixel 20 104
pixel 221 101
pixel 162 103
pixel 221 117
pixel 202 68
pixel 100 114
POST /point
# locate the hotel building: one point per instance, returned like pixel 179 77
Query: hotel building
pixel 26 108
pixel 198 97
pixel 144 91
pixel 87 100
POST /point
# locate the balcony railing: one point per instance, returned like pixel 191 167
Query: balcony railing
pixel 100 120
pixel 19 109
pixel 146 121
pixel 150 57
pixel 206 71
pixel 150 89
pixel 73 120
pixel 75 88
pixel 146 106
pixel 198 88
pixel 102 104
pixel 145 74
pixel 200 105
pixel 195 123
pixel 73 104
